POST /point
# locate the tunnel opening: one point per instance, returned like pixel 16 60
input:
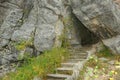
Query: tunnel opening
pixel 83 34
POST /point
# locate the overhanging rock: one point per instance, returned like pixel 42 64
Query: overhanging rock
pixel 101 17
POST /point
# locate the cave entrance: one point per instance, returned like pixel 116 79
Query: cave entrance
pixel 81 35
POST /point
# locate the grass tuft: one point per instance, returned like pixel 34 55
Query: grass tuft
pixel 39 66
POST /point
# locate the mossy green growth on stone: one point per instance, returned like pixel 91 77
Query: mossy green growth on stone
pixel 21 45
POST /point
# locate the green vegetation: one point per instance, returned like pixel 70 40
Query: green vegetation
pixel 82 72
pixel 39 66
pixel 105 52
pixel 106 68
pixel 21 45
pixel 65 42
pixel 94 62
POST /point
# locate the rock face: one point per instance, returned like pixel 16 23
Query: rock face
pixel 28 26
pixel 101 17
pixel 33 26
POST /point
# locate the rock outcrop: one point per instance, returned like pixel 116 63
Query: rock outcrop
pixel 29 27
pixel 101 17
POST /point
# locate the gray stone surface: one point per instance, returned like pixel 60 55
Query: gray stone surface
pixel 10 22
pixel 100 16
pixel 3 42
pixel 59 30
pixel 103 59
pixel 26 31
pixel 37 21
pixel 44 37
pixel 111 62
pixel 113 44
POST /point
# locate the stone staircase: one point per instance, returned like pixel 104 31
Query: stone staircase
pixel 70 69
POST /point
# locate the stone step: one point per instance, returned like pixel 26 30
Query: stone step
pixel 73 50
pixel 78 57
pixel 57 76
pixel 78 54
pixel 79 47
pixel 54 79
pixel 65 70
pixel 69 64
pixel 79 50
pixel 74 60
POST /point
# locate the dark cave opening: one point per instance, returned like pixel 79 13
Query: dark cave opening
pixel 84 35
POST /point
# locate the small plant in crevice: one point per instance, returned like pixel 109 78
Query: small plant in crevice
pixel 21 45
pixel 65 42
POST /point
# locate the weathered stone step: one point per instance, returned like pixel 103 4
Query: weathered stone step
pixel 57 76
pixel 65 70
pixel 79 50
pixel 68 69
pixel 74 60
pixel 73 50
pixel 78 54
pixel 78 57
pixel 69 64
pixel 54 79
